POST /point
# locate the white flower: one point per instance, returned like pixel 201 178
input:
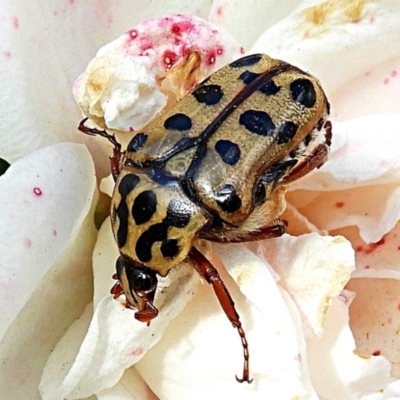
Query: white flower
pixel 308 337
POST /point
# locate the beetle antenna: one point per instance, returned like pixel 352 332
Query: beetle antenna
pixel 211 275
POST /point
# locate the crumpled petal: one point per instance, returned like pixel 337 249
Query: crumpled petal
pixel 337 370
pixel 199 362
pixel 115 339
pixel 313 269
pixel 359 186
pixel 377 330
pixel 121 88
pixel 47 237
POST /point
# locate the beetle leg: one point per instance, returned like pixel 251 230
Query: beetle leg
pixel 118 155
pixel 315 160
pixel 211 275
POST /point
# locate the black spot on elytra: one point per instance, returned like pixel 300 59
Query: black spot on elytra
pixel 144 206
pixel 208 94
pixel 258 122
pixel 303 92
pixel 246 61
pixel 228 199
pixel 269 88
pixel 169 248
pixel 137 142
pixel 229 151
pixel 178 214
pixel 286 132
pixel 248 77
pixel 179 122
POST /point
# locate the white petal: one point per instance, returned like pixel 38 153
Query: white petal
pixel 47 237
pixel 337 371
pixel 130 387
pixel 336 40
pixel 115 339
pixel 376 331
pixel 200 352
pixel 362 165
pixel 247 21
pixel 313 269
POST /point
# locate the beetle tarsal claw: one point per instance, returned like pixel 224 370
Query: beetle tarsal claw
pixel 147 310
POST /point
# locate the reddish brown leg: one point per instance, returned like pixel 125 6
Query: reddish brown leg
pixel 118 155
pixel 211 275
pixel 314 160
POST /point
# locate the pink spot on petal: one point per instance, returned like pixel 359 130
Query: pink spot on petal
pixel 27 242
pixel 359 249
pixel 386 81
pixel 169 58
pixel 393 74
pixel 37 191
pixel 137 352
pixel 133 34
pixel 242 50
pixel 182 27
pixel 15 22
pixel 7 54
pixel 219 11
pixel 54 232
pixel 372 20
pixel 367 267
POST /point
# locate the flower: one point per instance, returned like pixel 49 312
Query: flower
pixel 289 291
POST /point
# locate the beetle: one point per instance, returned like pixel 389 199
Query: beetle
pixel 213 167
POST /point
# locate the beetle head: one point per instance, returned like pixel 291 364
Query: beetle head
pixel 139 285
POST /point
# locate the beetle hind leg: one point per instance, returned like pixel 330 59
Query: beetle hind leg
pixel 118 156
pixel 211 275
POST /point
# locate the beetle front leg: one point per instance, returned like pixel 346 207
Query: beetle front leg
pixel 211 275
pixel 118 156
pixel 315 160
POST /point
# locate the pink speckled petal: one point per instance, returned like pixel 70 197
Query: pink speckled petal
pixel 47 237
pixel 123 87
pixel 247 21
pixel 115 340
